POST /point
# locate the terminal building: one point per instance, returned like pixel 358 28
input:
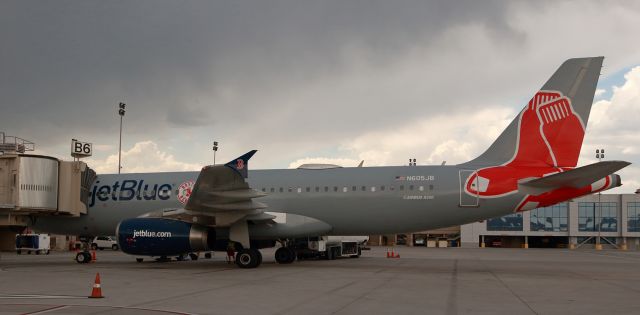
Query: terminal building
pixel 575 224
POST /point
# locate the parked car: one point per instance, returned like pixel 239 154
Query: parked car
pixel 102 242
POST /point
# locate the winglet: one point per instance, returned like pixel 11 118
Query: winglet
pixel 241 164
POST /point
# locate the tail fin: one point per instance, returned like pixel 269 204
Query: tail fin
pixel 550 129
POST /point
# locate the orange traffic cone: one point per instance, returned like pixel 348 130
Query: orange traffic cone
pixel 96 293
pixel 93 256
pixel 388 254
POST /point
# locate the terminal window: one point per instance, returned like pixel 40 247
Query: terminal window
pixel 589 220
pixel 550 219
pixel 633 216
pixel 510 222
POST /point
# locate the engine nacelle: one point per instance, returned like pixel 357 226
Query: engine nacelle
pixel 163 237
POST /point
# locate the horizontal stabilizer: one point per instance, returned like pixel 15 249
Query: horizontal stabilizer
pixel 575 178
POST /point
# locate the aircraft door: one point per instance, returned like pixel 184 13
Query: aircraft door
pixel 467 199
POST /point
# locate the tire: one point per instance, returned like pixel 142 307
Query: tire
pixel 207 255
pixel 83 258
pixel 358 254
pixel 193 256
pixel 48 252
pixel 248 258
pixel 139 260
pixel 114 247
pixel 285 255
pixel 329 255
pixel 94 246
pixel 19 252
pixel 37 252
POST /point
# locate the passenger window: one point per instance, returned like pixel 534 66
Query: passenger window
pixel 392 188
pixel 345 189
pixel 299 190
pixel 335 188
pixel 290 189
pixel 354 188
pixel 373 188
pixel 273 189
pixel 410 187
pixel 401 187
pixel 381 188
pixel 281 189
pixel 308 189
pixel 264 189
pixel 364 188
pixel 326 188
pixel 430 187
pixel 317 189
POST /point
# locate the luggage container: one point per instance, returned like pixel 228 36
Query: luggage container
pixel 37 243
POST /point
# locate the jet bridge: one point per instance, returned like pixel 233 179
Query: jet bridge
pixel 41 185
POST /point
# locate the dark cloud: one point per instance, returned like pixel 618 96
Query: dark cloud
pixel 290 76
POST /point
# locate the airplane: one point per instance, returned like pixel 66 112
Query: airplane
pixel 531 164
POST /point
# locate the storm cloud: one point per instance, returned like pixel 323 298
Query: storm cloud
pixel 381 80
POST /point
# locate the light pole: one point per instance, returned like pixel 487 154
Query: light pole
pixel 121 111
pixel 215 149
pixel 599 156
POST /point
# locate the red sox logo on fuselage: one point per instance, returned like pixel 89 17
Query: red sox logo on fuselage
pixel 184 191
pixel 550 135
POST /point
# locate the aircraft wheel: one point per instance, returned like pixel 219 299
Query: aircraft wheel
pixel 83 258
pixel 285 255
pixel 248 258
pixel 139 260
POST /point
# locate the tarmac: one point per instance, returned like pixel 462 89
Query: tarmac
pixel 422 280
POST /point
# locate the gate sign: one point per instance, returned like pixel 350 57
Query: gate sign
pixel 80 149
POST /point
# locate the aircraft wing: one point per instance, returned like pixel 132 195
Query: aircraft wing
pixel 575 178
pixel 222 194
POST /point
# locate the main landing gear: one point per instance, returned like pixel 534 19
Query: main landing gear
pixel 285 255
pixel 248 258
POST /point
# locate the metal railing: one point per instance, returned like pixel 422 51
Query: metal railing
pixel 15 144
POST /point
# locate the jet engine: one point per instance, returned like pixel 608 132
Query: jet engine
pixel 163 237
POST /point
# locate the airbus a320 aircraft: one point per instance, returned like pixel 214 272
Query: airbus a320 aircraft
pixel 531 164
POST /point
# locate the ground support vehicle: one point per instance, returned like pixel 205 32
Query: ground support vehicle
pixel 36 243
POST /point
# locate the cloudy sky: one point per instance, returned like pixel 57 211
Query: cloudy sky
pixel 305 81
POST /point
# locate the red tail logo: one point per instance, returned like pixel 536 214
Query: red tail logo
pixel 550 135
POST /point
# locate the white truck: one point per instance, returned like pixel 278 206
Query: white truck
pixel 330 247
pixel 37 243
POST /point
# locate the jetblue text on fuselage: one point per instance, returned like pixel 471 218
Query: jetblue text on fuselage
pixel 130 189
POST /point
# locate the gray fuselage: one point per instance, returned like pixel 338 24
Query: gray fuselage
pixel 353 201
